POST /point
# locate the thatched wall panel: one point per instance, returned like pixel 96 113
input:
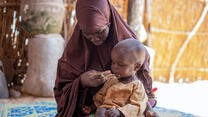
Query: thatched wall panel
pixel 13 48
pixel 180 15
pixel 171 23
pixel 120 6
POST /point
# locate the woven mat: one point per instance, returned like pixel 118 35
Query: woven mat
pixel 48 109
pixel 39 109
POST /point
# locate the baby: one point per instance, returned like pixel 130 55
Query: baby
pixel 123 94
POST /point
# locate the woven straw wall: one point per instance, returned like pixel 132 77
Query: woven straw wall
pixel 13 44
pixel 121 6
pixel 172 21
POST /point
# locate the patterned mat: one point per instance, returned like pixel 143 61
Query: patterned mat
pixel 163 112
pixel 41 109
pixel 48 109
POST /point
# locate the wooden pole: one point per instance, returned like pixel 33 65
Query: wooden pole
pixel 65 21
pixel 125 9
pixel 135 16
pixel 149 8
pixel 147 21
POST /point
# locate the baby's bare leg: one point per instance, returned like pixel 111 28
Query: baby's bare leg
pixel 100 112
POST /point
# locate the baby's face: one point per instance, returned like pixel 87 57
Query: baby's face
pixel 96 36
pixel 122 64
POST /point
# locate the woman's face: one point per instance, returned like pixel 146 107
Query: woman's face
pixel 96 36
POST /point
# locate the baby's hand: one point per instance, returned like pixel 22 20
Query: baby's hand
pixel 112 113
pixel 86 110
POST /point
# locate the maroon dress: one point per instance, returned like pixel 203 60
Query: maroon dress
pixel 81 55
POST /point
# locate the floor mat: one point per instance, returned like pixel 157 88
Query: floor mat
pixel 48 109
pixel 39 109
pixel 163 112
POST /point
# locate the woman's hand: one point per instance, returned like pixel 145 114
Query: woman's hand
pixel 150 113
pixel 92 79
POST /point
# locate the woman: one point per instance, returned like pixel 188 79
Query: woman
pixel 99 28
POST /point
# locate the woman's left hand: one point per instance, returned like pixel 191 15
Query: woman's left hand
pixel 92 78
pixel 152 113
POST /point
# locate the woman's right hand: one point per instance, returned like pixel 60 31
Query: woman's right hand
pixel 92 79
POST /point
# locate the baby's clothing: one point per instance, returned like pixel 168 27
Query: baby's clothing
pixel 129 98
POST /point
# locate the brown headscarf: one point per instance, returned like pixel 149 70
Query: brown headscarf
pixel 81 55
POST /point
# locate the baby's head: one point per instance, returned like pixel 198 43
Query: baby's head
pixel 127 57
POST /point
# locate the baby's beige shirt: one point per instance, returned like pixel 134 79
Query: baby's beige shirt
pixel 129 98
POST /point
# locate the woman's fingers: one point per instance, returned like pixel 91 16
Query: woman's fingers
pixel 110 75
pixel 106 72
pixel 101 80
pixel 97 82
pixel 94 78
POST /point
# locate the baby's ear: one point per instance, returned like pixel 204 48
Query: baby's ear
pixel 137 66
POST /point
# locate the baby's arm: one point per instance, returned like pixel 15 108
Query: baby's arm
pixel 137 102
pixel 99 97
